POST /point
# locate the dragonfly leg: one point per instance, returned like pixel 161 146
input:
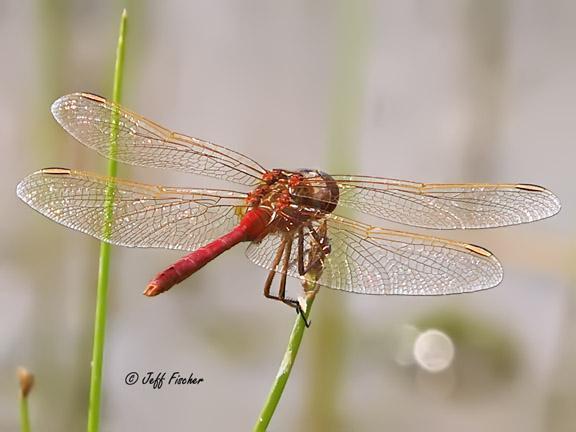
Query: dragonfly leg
pixel 300 312
pixel 301 269
pixel 272 273
pixel 318 253
pixel 285 250
pixel 300 257
pixel 285 264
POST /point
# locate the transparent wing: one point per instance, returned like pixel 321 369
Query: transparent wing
pixel 88 118
pixel 447 206
pixel 369 260
pixel 143 215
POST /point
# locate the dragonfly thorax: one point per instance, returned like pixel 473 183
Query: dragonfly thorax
pixel 296 196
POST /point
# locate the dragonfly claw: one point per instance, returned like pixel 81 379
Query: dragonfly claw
pixel 300 312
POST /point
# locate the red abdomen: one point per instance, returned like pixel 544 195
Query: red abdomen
pixel 250 227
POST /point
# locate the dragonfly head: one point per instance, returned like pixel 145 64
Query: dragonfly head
pixel 315 189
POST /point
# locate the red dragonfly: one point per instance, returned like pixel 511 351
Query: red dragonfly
pixel 287 216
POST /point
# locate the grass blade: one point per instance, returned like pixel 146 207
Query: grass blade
pixel 26 383
pixel 104 263
pixel 286 366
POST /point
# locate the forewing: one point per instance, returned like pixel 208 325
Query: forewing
pixel 447 206
pixel 142 215
pixel 369 260
pixel 89 119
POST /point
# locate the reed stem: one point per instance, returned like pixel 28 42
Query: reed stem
pixel 26 383
pixel 287 362
pixel 104 262
pixel 24 417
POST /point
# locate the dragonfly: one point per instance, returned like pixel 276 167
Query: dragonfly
pixel 289 217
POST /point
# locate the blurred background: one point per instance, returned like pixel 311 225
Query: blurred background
pixel 444 91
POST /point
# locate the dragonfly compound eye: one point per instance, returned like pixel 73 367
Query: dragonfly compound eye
pixel 317 190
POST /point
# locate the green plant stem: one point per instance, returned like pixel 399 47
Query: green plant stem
pixel 104 263
pixel 286 366
pixel 24 417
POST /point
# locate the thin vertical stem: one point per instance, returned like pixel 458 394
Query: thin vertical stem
pixel 286 366
pixel 24 417
pixel 26 383
pixel 104 263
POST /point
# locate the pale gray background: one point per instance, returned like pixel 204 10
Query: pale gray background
pixel 448 91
